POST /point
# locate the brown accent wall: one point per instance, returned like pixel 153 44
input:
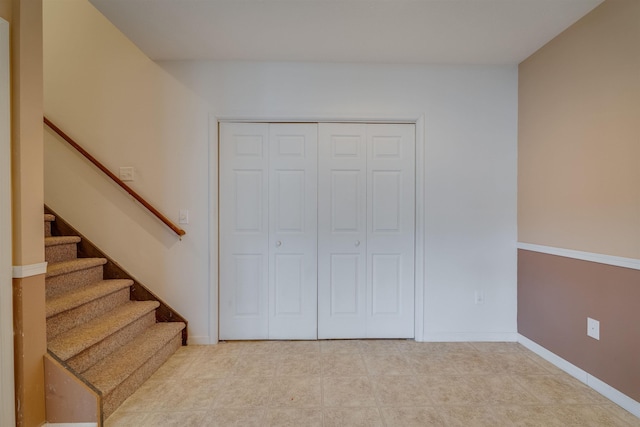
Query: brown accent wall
pixel 555 297
pixel 30 346
pixel 579 136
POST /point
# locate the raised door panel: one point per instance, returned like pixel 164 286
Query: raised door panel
pixel 293 231
pixel 244 239
pixel 390 230
pixel 248 201
pixel 386 201
pixel 342 231
pixel 248 275
pixel 386 289
pixel 343 285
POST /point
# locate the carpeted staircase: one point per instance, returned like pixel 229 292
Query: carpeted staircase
pixel 93 326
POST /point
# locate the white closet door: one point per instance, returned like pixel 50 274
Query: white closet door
pixel 268 231
pixel 244 231
pixel 293 271
pixel 390 230
pixel 342 233
pixel 366 231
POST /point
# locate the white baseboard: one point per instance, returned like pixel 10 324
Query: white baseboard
pixel 470 336
pixel 558 361
pixel 198 340
pixel 601 387
pixel 434 337
pixel 70 425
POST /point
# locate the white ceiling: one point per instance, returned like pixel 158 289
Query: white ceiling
pixel 382 31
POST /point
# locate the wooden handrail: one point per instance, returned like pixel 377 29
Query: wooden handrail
pixel 179 231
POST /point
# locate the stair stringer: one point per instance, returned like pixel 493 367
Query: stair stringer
pixel 69 398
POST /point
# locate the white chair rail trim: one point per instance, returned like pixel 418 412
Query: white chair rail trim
pixel 584 256
pixel 23 271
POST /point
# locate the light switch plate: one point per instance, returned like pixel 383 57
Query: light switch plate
pixel 183 218
pixel 126 173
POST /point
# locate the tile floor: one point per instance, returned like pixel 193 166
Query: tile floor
pixel 364 383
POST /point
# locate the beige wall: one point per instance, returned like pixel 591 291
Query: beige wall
pixel 126 111
pixel 27 133
pixel 5 10
pixel 579 133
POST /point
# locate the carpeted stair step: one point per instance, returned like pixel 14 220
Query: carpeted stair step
pixel 60 248
pixel 120 374
pixel 66 276
pixel 72 309
pixel 86 359
pixel 87 344
pixel 48 219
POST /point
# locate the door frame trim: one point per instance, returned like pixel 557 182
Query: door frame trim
pixel 420 198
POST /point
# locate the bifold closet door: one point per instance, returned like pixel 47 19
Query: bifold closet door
pixel 268 231
pixel 293 231
pixel 244 231
pixel 342 231
pixel 366 231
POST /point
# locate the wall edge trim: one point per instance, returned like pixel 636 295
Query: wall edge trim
pixel 596 384
pixel 7 391
pixel 584 256
pixel 24 271
pixel 214 235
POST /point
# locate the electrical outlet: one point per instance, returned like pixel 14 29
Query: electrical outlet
pixel 479 297
pixel 126 173
pixel 593 328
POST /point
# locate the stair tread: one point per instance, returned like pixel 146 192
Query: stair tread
pixel 60 240
pixel 74 341
pixel 84 295
pixel 107 374
pixel 49 217
pixel 58 268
